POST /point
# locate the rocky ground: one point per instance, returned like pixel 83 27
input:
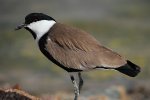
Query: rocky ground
pixel 138 91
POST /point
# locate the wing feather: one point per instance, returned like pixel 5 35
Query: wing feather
pixel 77 49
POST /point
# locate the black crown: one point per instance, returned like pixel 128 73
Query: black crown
pixel 33 17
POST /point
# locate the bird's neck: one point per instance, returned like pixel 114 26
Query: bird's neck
pixel 40 28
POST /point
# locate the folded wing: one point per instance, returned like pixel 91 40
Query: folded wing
pixel 77 49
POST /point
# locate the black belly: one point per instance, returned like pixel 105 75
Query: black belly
pixel 42 47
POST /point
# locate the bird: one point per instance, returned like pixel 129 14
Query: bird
pixel 74 49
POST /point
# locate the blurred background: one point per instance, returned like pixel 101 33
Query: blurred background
pixel 123 25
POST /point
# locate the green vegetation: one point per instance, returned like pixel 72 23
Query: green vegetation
pixel 122 25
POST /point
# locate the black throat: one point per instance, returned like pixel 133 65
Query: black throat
pixel 33 33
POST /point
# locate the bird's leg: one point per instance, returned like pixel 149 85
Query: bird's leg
pixel 76 89
pixel 80 82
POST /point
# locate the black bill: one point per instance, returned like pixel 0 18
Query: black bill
pixel 20 26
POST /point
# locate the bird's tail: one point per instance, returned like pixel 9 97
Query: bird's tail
pixel 129 69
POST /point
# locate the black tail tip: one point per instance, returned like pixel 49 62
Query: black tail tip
pixel 129 69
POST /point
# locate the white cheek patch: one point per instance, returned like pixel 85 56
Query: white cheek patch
pixel 41 27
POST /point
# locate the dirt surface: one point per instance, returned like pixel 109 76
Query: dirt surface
pixel 139 91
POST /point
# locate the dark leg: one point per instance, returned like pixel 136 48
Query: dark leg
pixel 80 81
pixel 76 89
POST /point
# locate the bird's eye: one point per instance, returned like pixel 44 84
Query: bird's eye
pixel 36 20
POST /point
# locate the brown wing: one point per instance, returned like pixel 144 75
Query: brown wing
pixel 77 49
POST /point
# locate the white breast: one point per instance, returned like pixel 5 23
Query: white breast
pixel 41 27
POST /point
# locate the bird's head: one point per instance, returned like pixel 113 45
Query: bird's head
pixel 37 23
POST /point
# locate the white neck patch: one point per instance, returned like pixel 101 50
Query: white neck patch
pixel 41 27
